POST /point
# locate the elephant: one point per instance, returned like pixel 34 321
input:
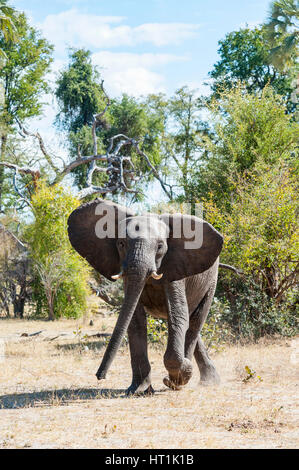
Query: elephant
pixel 164 276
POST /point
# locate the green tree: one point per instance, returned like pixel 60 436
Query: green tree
pixel 24 74
pixel 245 56
pixel 247 129
pixel 78 92
pixel 134 118
pixel 181 136
pixel 60 286
pixel 80 96
pixel 282 29
pixel 184 109
pixel 23 78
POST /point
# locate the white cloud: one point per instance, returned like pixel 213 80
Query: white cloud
pixel 80 29
pixel 132 73
pixel 162 34
pixel 120 59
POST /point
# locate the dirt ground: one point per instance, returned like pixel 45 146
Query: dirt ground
pixel 50 397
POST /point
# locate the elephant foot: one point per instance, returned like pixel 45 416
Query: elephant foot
pixel 172 385
pixel 209 377
pixel 178 376
pixel 138 389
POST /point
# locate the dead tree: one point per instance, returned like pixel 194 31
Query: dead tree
pixel 117 167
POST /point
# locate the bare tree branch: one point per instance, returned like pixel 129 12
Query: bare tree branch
pixel 25 170
pixel 155 173
pixel 36 135
pixel 231 268
pixel 118 167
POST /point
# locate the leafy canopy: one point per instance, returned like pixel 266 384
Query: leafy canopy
pixel 245 56
pixel 78 92
pixel 248 129
pixel 23 75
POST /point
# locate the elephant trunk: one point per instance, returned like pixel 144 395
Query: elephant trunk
pixel 133 288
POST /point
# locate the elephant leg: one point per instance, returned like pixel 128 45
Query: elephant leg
pixel 208 372
pixel 141 369
pixel 194 344
pixel 178 366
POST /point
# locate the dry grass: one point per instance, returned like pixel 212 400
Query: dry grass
pixel 50 398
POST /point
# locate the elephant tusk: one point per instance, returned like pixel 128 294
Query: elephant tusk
pixel 156 276
pixel 117 276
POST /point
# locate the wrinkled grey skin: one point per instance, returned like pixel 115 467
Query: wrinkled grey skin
pixel 183 295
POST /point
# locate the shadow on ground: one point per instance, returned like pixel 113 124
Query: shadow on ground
pixel 62 397
pixel 56 397
pixel 91 345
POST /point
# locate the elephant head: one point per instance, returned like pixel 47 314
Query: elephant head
pixel 117 243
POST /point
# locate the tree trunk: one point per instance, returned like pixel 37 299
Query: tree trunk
pixel 51 316
pixel 2 158
pixel 18 306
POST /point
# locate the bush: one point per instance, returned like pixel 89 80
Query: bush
pixel 260 238
pixel 60 283
pixel 248 129
pixel 216 330
pixel 248 312
pixel 156 330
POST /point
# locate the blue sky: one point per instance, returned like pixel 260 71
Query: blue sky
pixel 144 46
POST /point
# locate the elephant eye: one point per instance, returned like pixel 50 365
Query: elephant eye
pixel 121 244
pixel 160 246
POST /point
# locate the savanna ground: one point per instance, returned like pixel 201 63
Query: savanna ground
pixel 50 397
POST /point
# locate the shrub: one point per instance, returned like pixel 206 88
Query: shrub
pixel 156 330
pixel 60 284
pixel 248 313
pixel 216 330
pixel 260 238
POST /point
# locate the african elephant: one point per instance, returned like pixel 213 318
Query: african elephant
pixel 163 275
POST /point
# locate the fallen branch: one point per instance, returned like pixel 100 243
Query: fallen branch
pixel 99 335
pixel 55 337
pixel 31 334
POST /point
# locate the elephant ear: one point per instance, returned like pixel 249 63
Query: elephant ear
pixel 193 246
pixel 93 231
